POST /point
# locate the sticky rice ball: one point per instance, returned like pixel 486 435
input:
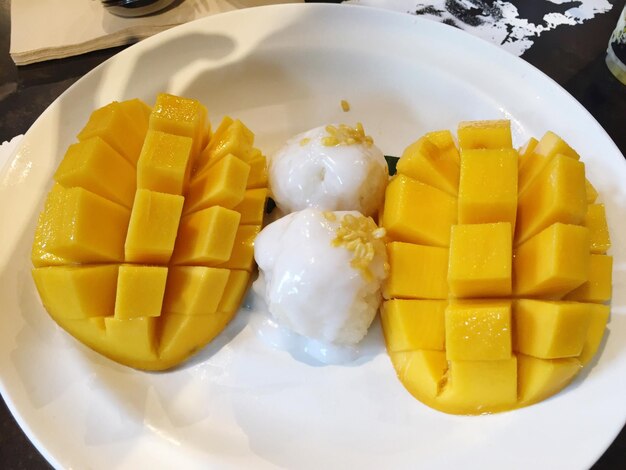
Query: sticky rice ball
pixel 322 273
pixel 329 168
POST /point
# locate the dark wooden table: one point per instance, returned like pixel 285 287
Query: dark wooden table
pixel 572 55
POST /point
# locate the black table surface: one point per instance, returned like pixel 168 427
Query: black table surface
pixel 571 55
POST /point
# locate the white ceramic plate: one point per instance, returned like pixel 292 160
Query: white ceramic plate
pixel 240 404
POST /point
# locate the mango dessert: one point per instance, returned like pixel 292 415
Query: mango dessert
pixel 499 278
pixel 144 248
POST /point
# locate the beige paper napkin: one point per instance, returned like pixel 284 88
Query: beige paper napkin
pixel 52 29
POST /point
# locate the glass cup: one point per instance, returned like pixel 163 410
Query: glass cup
pixel 616 52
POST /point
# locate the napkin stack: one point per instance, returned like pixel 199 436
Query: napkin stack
pixel 53 29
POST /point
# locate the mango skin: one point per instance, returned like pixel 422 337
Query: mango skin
pixel 124 296
pixel 517 330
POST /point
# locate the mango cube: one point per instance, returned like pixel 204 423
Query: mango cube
pixel 183 335
pixel 480 260
pixel 140 291
pixel 553 262
pixel 194 290
pixel 425 162
pixel 540 378
pixel 546 149
pixel 550 329
pixel 478 330
pixel 242 254
pixel 595 221
pixel 223 184
pixel 556 195
pixel 484 135
pixel 165 163
pixel 214 139
pixel 77 292
pixel 446 145
pixel 598 286
pixel 488 186
pixel 235 138
pixel 235 290
pixel 113 124
pixel 153 227
pixel 426 222
pixel 139 114
pixel 206 237
pixel 252 207
pixel 115 263
pixel 417 272
pixel 131 340
pixel 90 331
pixel 597 325
pixel 84 227
pixel 591 192
pixel 476 386
pixel 258 176
pixel 525 151
pixel 46 228
pixel 181 116
pixel 95 166
pixel 421 372
pixel 413 324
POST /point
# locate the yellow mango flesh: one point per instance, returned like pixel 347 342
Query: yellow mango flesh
pixel 485 135
pixel 422 373
pixel 194 290
pixel 122 269
pixel 242 253
pixel 182 117
pixel 480 260
pixel 164 164
pixel 523 286
pixel 252 206
pixel 78 292
pixel 599 317
pixel 525 150
pixel 206 237
pixel 550 329
pixel 140 291
pixel 590 192
pixel 475 387
pixel 426 223
pixel 231 138
pixel 417 272
pixel 153 227
pixel 478 330
pixel 115 125
pixel 541 155
pixel 95 166
pixel 82 227
pixel 557 195
pixel 488 187
pixel 258 172
pixel 595 221
pixel 223 184
pixel 597 287
pixel 426 162
pixel 444 141
pixel 553 262
pixel 542 378
pixel 414 324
